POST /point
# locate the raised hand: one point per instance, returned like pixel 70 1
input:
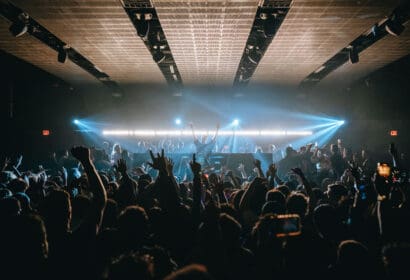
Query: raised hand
pixel 272 170
pixel 81 153
pixel 18 161
pixel 169 166
pixel 6 163
pixel 195 166
pixel 159 162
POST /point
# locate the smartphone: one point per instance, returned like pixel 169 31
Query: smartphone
pixel 286 225
pixel 383 169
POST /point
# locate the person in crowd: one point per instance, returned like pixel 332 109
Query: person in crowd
pixel 288 221
pixel 204 149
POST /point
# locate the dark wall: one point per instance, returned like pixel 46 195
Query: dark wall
pixel 32 100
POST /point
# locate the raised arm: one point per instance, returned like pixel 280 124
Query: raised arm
pixel 308 187
pixel 193 131
pixel 216 132
pixel 241 169
pixel 258 167
pixel 127 191
pixel 196 206
pixel 96 186
pixel 166 185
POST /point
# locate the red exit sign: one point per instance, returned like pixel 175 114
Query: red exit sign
pixel 45 132
pixel 394 133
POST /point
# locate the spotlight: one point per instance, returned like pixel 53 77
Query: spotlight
pixel 235 122
pixel 19 27
pixel 394 27
pixel 353 55
pixel 142 24
pixel 158 56
pixel 254 55
pixel 62 55
pixel 375 30
pixel 178 121
pixel 76 121
pixel 340 123
pixel 268 24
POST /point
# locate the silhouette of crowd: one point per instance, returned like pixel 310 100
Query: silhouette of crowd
pixel 81 216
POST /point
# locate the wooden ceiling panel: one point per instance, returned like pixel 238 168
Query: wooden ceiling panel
pixel 314 31
pixel 101 31
pixel 207 38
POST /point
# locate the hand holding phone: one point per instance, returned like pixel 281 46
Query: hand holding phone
pixel 285 225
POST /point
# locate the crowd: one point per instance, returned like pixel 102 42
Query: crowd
pixel 82 215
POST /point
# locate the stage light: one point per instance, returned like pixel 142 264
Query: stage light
pixel 76 121
pixel 235 122
pixel 19 27
pixel 394 26
pixel 254 54
pixel 340 122
pixel 142 24
pixel 158 56
pixel 375 30
pixel 394 133
pixel 45 132
pixel 188 133
pixel 353 55
pixel 268 24
pixel 178 121
pixel 62 55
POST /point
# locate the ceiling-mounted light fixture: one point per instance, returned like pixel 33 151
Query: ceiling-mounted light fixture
pixel 353 55
pixel 269 22
pixel 62 53
pixel 394 26
pixel 375 30
pixel 20 27
pixel 142 24
pixel 158 55
pixel 254 54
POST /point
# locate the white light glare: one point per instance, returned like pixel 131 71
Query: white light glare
pixel 178 121
pixel 207 132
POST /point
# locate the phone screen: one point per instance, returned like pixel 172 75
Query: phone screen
pixel 286 225
pixel 383 169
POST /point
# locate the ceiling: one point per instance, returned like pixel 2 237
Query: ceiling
pixel 207 40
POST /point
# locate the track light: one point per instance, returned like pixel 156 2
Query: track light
pixel 353 55
pixel 142 24
pixel 244 76
pixel 62 54
pixel 269 21
pixel 254 54
pixel 375 30
pixel 394 26
pixel 158 55
pixel 19 27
